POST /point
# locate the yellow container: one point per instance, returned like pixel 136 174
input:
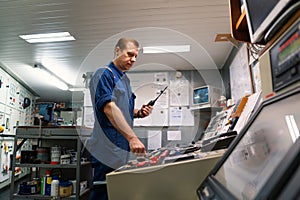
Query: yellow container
pixel 65 189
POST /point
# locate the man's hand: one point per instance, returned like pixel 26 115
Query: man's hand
pixel 137 147
pixel 146 110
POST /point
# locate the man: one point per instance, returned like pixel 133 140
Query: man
pixel 113 101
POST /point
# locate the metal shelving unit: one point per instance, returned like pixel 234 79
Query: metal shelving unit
pixel 69 136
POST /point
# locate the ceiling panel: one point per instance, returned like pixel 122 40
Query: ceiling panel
pixel 97 25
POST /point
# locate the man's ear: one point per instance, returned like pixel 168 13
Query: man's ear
pixel 118 51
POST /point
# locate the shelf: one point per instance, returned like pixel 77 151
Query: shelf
pixel 7 135
pixel 48 137
pixel 85 163
pixel 39 196
pixel 58 132
pixel 50 166
pixel 205 108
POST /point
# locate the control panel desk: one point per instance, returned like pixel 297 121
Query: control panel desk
pixel 176 181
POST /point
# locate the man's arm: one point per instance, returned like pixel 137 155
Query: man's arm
pixel 116 117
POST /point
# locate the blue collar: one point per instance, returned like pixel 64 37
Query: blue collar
pixel 116 70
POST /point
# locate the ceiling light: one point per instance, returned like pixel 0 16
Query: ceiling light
pixel 47 37
pixel 57 68
pixel 167 49
pixel 77 89
pixel 47 76
pixel 59 84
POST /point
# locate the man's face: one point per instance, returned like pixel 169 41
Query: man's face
pixel 126 58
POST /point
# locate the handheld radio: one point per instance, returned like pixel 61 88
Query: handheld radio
pixel 152 102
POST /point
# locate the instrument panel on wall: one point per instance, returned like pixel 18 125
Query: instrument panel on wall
pixel 285 59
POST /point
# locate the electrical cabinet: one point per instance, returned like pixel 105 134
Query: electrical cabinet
pixel 78 170
pixel 3 88
pixel 6 150
pixel 12 113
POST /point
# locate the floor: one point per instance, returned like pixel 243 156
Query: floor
pixel 4 193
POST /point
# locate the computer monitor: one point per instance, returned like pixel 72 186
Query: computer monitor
pixel 263 155
pixel 206 95
pixel 261 15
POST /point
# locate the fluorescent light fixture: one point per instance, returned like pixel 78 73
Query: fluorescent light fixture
pixel 57 68
pixel 77 89
pixel 167 49
pixel 48 37
pixel 49 78
pixel 59 84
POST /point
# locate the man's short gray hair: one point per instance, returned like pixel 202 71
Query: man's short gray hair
pixel 124 41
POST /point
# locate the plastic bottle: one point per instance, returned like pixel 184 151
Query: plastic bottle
pixel 55 186
pixel 47 182
pixel 42 185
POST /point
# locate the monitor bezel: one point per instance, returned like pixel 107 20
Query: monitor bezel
pixel 280 175
pixel 257 35
pixel 209 93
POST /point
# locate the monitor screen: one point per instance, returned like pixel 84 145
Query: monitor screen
pixel 262 147
pixel 260 16
pixel 201 95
